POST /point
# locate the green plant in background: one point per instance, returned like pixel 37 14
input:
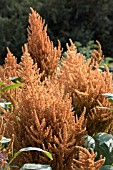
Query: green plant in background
pixel 109 62
pixel 87 50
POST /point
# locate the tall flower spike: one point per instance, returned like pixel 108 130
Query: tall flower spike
pixel 80 127
pixel 86 160
pixel 27 69
pixel 97 55
pixel 8 70
pixel 1 72
pixel 40 47
pixel 10 66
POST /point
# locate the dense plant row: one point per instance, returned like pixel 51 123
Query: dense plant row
pixel 56 104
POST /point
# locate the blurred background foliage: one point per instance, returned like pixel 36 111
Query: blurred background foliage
pixel 82 21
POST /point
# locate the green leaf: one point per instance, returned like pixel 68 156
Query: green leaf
pixel 106 167
pixel 12 86
pixel 111 100
pixel 108 140
pixel 5 105
pixel 2 104
pixel 104 147
pixel 110 145
pixel 104 138
pixel 108 59
pixel 5 140
pixel 98 135
pixel 77 44
pixel 1 83
pixel 15 79
pixel 89 142
pixel 35 167
pixel 108 95
pixel 32 149
pixel 104 151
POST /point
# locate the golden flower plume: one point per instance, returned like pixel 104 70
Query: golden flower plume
pixel 40 47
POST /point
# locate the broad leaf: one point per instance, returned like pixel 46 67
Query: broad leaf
pixel 104 151
pixel 36 167
pixel 104 138
pixel 12 86
pixel 110 145
pixel 111 100
pixel 106 167
pixel 5 105
pixel 108 95
pixel 98 135
pixel 1 83
pixel 33 149
pixel 5 140
pixel 15 79
pixel 104 147
pixel 89 142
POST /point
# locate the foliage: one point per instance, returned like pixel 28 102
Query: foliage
pixel 5 165
pixel 81 21
pixel 35 167
pixel 106 167
pixel 87 50
pixel 102 143
pixel 3 88
pixel 109 96
pixel 108 61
